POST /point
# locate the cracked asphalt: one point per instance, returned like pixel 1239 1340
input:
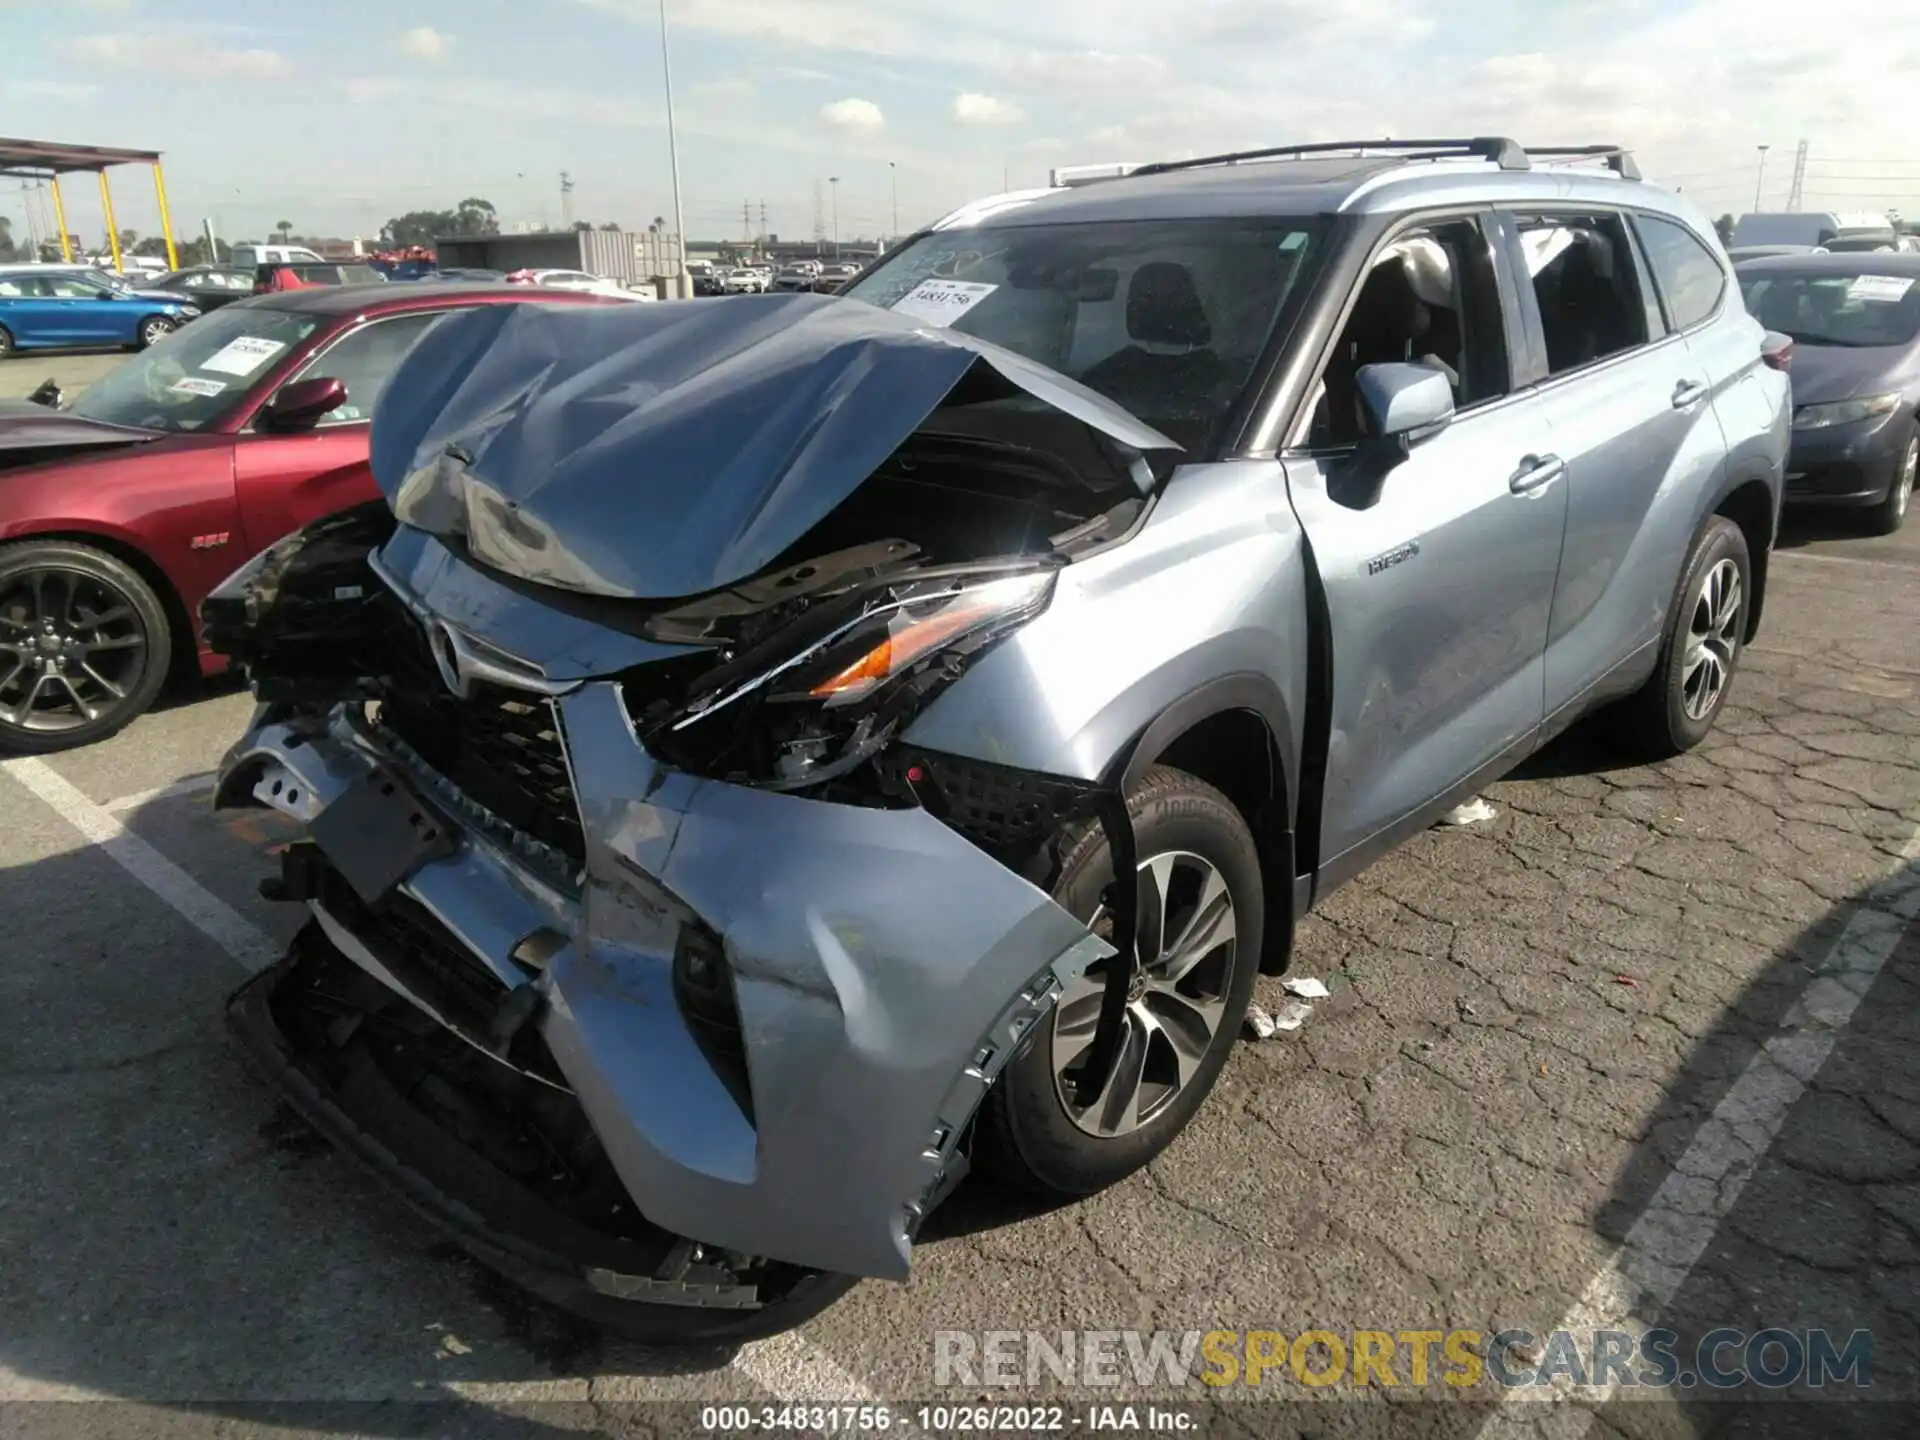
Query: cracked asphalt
pixel 1537 1038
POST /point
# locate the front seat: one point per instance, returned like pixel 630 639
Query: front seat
pixel 1163 309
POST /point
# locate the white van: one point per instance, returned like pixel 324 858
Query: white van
pixel 245 257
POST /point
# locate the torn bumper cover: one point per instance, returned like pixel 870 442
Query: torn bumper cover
pixel 883 970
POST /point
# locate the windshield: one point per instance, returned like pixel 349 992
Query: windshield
pixel 1165 318
pixel 198 373
pixel 1846 310
pixel 1858 244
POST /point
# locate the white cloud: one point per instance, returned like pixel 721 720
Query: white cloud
pixel 175 57
pixel 53 89
pixel 1088 72
pixel 423 42
pixel 862 116
pixel 972 108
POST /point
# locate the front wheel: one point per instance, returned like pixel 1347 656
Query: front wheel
pixel 152 331
pixel 1706 630
pixel 1052 1126
pixel 6 343
pixel 1891 513
pixel 84 644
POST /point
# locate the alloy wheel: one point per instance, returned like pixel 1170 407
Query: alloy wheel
pixel 1712 639
pixel 1176 999
pixel 72 649
pixel 153 331
pixel 1903 483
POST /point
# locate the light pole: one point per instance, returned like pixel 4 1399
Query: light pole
pixel 833 183
pixel 893 176
pixel 680 286
pixel 1762 175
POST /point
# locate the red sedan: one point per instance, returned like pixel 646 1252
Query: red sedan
pixel 119 512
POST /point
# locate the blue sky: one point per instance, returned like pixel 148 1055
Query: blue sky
pixel 337 116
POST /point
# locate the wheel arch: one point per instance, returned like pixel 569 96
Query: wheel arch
pixel 1751 504
pixel 1235 733
pixel 182 659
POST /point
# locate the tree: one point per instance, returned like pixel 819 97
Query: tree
pixel 612 225
pixel 1725 226
pixel 285 227
pixel 7 249
pixel 582 225
pixel 472 216
pixel 127 238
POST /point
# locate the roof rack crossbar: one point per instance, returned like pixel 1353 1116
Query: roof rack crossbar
pixel 1507 154
pixel 1619 159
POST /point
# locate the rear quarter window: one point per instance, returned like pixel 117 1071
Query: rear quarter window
pixel 1685 271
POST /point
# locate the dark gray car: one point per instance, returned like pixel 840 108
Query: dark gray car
pixel 1855 324
pixel 765 759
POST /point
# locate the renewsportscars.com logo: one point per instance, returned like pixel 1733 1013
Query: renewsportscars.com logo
pixel 1720 1359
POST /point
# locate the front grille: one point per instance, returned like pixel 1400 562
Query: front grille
pixel 502 747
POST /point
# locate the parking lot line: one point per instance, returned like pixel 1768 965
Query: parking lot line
pixel 1684 1214
pixel 192 785
pixel 789 1367
pixel 206 912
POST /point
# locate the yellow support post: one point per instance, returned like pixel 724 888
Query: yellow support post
pixel 166 217
pixel 60 219
pixel 113 232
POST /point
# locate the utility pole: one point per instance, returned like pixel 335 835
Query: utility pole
pixel 1760 176
pixel 819 218
pixel 682 287
pixel 763 220
pixel 566 201
pixel 893 178
pixel 746 221
pixel 834 182
pixel 1799 177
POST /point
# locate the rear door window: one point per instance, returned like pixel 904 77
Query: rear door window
pixel 1685 271
pixel 1586 285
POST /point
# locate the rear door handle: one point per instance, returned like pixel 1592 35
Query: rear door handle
pixel 1536 471
pixel 1688 393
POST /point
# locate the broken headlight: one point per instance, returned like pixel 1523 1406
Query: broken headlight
pixel 821 695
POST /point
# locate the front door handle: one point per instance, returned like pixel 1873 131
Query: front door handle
pixel 1688 393
pixel 1536 471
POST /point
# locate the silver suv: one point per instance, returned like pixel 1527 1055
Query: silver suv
pixel 764 759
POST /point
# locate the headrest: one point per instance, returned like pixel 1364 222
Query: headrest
pixel 1163 307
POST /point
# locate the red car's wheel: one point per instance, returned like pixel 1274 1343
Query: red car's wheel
pixel 84 644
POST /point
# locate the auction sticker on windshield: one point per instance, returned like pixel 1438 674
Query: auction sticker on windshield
pixel 194 385
pixel 1886 289
pixel 942 301
pixel 243 356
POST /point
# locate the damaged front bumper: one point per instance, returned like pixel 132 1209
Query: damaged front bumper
pixel 778 1014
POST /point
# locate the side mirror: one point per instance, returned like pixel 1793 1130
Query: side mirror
pixel 301 405
pixel 1404 404
pixel 49 394
pixel 1402 400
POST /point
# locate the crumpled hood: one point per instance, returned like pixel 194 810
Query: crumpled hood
pixel 25 425
pixel 1822 373
pixel 659 451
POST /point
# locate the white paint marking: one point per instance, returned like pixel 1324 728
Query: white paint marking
pixel 205 911
pixel 1681 1219
pixel 194 785
pixel 789 1367
pixel 793 1368
pixel 1842 560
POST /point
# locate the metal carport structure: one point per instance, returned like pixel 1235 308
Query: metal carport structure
pixel 48 160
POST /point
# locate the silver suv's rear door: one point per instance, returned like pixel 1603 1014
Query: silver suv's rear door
pixel 1630 405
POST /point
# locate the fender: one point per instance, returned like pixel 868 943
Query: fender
pixel 1244 692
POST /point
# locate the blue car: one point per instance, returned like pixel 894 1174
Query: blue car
pixel 63 309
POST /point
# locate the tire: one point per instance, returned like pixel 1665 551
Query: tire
pixel 1028 1136
pixel 152 331
pixel 125 649
pixel 6 343
pixel 1891 513
pixel 1676 708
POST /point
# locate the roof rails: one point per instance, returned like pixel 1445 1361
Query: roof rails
pixel 1505 153
pixel 1619 160
pixel 1496 149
